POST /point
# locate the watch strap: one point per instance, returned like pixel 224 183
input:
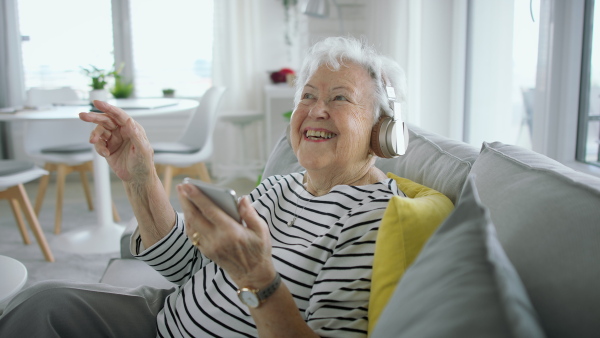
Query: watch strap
pixel 270 289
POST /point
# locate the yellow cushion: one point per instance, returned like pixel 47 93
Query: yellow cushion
pixel 406 225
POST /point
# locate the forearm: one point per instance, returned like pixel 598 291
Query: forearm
pixel 278 316
pixel 151 207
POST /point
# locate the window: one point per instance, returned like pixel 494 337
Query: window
pixel 588 143
pixel 503 52
pixel 61 36
pixel 170 45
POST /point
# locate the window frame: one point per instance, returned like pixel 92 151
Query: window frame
pixel 558 83
pixel 584 97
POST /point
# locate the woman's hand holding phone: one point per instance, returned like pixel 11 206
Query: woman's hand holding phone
pixel 244 252
pixel 224 198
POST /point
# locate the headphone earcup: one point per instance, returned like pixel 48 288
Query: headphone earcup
pixel 389 138
pixel 379 137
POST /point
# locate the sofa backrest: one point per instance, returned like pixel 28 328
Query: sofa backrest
pixel 434 161
pixel 431 160
pixel 547 217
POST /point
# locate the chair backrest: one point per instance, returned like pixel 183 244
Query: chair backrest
pixel 201 124
pixel 47 134
pixel 42 96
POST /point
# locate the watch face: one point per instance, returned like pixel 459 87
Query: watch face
pixel 249 298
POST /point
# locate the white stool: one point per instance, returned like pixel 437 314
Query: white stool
pixel 242 168
pixel 14 276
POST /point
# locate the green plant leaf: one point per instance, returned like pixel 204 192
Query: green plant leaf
pixel 122 89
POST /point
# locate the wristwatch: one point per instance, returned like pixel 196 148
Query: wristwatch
pixel 254 297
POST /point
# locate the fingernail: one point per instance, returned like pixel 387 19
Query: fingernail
pixel 180 189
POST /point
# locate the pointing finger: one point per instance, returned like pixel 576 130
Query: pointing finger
pixel 113 112
pixel 100 119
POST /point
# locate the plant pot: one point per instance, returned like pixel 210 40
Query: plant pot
pixel 98 94
pixel 168 93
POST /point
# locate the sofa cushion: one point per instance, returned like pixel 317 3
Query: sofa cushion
pixel 131 273
pixel 461 284
pixel 431 160
pixel 548 221
pixel 282 159
pixel 406 225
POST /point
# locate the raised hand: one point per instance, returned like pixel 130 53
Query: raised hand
pixel 122 141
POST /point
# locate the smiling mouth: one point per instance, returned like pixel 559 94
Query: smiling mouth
pixel 318 135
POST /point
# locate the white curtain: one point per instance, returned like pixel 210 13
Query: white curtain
pixel 387 23
pixel 11 78
pixel 236 52
pixel 237 65
pixel 394 27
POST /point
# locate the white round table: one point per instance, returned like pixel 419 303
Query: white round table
pixel 13 276
pixel 103 237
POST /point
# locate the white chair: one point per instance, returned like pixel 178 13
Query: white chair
pixel 188 154
pixel 13 174
pixel 61 146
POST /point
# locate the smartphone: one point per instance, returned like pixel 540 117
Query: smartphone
pixel 224 198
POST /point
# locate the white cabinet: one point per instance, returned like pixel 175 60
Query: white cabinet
pixel 279 99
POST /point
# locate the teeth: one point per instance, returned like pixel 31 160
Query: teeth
pixel 319 134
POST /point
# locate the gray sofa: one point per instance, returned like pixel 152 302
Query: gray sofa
pixel 519 256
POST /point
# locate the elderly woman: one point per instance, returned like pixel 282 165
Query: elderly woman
pixel 299 265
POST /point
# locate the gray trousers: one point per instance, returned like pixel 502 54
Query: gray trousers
pixel 73 309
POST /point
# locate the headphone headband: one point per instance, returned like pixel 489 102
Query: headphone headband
pixel 390 135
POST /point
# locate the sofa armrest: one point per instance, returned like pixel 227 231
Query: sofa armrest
pixel 126 236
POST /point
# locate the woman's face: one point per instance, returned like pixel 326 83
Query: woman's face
pixel 331 126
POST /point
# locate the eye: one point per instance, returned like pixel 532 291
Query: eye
pixel 307 96
pixel 340 98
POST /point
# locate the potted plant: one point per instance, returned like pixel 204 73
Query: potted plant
pixel 98 77
pixel 168 92
pixel 122 89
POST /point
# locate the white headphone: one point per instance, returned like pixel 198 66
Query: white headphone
pixel 389 137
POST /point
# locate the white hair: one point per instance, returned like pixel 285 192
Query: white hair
pixel 337 51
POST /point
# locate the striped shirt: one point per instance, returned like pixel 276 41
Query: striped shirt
pixel 325 258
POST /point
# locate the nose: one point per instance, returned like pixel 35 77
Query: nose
pixel 319 110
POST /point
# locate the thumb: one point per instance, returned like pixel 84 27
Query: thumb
pixel 250 216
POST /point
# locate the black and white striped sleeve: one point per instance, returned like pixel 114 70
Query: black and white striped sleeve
pixel 174 257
